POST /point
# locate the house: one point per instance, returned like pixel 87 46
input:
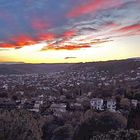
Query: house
pixel 76 106
pixel 134 102
pixel 100 104
pixel 37 105
pixel 97 103
pixel 111 105
pixel 52 98
pixel 5 87
pixel 57 109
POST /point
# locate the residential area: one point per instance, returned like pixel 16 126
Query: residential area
pixel 76 90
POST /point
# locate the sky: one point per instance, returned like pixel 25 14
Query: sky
pixel 69 31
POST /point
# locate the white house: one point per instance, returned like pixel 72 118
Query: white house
pixel 100 104
pixel 5 87
pixel 36 107
pixel 97 103
pixel 58 107
pixel 134 102
pixel 111 105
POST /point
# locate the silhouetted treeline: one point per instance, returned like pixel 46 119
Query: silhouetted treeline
pixel 76 125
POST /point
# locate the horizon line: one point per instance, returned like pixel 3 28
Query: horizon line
pixel 12 62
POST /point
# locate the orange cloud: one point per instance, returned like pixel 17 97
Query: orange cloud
pixel 6 45
pixel 92 6
pixel 69 47
pixel 66 47
pixel 47 37
pixel 18 42
pixel 66 36
pixel 69 33
pixel 23 40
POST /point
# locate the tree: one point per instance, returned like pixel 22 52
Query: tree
pixel 125 103
pixel 98 123
pixel 120 135
pixel 19 125
pixel 134 118
pixel 50 125
pixel 63 133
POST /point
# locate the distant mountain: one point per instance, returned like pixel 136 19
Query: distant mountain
pixel 9 63
pixel 135 58
pixel 114 66
pixel 31 68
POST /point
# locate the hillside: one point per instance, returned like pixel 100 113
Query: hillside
pixel 115 66
pixel 31 68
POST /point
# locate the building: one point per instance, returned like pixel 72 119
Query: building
pixel 111 105
pixel 97 103
pixel 5 87
pixel 134 102
pixel 100 104
pixel 76 106
pixel 58 109
pixel 37 105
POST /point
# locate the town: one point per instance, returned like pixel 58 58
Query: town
pixel 62 91
pixel 77 89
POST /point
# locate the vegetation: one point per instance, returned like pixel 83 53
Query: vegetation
pixel 91 125
pixel 95 123
pixel 19 125
pixel 119 135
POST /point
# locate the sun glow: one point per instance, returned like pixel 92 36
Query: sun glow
pixel 76 31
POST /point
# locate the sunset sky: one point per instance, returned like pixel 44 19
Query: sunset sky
pixel 58 31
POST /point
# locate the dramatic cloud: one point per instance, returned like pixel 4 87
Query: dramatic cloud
pixel 75 43
pixel 22 40
pixel 18 42
pixel 46 37
pixel 65 47
pixel 69 33
pixel 6 45
pixel 67 25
